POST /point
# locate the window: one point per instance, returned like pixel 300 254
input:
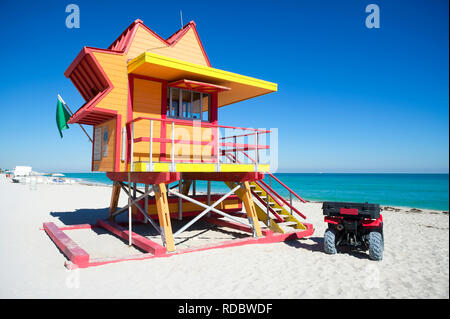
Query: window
pixel 187 105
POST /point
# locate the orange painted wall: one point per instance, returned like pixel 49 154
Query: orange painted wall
pixel 106 163
pixel 115 68
pixel 146 103
pixel 186 49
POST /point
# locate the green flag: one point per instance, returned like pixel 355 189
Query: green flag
pixel 62 116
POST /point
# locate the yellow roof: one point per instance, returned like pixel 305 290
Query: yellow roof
pixel 170 69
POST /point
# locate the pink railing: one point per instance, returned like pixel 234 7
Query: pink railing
pixel 219 147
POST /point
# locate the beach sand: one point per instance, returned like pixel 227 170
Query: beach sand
pixel 415 264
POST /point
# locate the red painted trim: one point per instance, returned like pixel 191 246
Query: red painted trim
pixel 244 146
pixel 93 143
pixel 117 153
pixel 290 190
pixel 129 118
pixel 191 123
pixel 137 240
pixel 201 86
pixel 79 226
pixel 274 238
pixel 95 100
pixel 68 247
pixel 76 227
pixel 167 140
pixel 127 43
pixel 123 42
pixel 224 176
pixel 201 45
pixel 273 192
pixel 86 51
pixel 130 97
pixel 149 178
pixel 163 128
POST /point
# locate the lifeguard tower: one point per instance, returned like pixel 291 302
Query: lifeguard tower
pixel 153 105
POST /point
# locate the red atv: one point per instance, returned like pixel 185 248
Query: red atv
pixel 355 225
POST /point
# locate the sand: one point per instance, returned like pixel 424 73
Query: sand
pixel 415 264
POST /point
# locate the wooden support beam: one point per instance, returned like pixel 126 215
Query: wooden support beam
pixel 246 196
pixel 186 187
pixel 69 248
pixel 139 241
pixel 114 200
pixel 162 207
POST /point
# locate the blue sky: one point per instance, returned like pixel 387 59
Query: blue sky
pixel 350 99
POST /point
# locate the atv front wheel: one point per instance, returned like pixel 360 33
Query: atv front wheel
pixel 329 241
pixel 376 245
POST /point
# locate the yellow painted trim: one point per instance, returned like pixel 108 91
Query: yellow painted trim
pixel 192 167
pixel 140 167
pixel 161 167
pixel 237 167
pixel 198 167
pixel 148 57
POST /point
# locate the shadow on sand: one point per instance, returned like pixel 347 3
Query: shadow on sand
pixel 197 230
pixel 317 246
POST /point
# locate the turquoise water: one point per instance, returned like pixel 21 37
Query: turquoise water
pixel 429 191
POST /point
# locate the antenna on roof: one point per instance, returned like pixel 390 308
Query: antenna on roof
pixel 181 18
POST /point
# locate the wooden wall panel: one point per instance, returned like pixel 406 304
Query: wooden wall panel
pixel 106 164
pixel 146 103
pixel 186 49
pixel 115 68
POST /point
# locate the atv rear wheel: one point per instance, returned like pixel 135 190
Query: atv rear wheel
pixel 376 245
pixel 329 241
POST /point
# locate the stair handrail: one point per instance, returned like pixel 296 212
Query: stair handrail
pixel 285 186
pixel 273 192
pixel 264 188
pixel 277 216
pixel 281 183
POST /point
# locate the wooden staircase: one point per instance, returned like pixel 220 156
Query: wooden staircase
pixel 267 200
pixel 272 209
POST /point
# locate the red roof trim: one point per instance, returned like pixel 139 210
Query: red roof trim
pixel 123 42
pixel 88 107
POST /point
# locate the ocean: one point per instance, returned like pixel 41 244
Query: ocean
pixel 427 191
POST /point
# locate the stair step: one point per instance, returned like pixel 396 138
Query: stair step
pixel 279 210
pixel 270 202
pixel 287 223
pixel 257 192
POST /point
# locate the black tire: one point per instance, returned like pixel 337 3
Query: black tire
pixel 329 241
pixel 376 245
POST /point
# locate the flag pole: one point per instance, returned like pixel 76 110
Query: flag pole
pixel 71 113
